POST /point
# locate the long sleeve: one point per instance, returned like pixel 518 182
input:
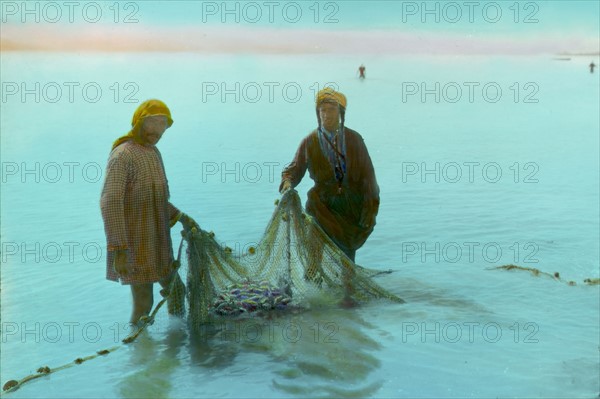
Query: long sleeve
pixel 174 214
pixel 346 212
pixel 296 170
pixel 112 200
pixel 370 188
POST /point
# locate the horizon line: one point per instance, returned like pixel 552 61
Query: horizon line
pixel 301 41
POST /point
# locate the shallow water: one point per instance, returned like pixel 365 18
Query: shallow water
pixel 465 331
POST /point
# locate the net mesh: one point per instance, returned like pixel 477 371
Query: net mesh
pixel 294 262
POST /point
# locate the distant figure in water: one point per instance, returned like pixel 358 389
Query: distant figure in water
pixel 361 71
pixel 592 66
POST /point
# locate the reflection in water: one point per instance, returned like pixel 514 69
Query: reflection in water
pixel 332 357
pixel 209 352
pixel 316 352
pixel 153 365
pixel 320 351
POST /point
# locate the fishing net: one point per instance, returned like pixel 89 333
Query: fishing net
pixel 294 262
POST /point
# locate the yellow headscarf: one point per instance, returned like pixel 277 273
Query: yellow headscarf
pixel 330 95
pixel 147 108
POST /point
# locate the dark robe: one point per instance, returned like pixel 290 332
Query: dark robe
pixel 347 213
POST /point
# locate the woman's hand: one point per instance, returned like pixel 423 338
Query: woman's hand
pixel 188 223
pixel 367 220
pixel 120 263
pixel 285 185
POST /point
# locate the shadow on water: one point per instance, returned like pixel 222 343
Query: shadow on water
pixel 418 293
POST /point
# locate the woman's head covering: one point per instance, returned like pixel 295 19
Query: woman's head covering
pixel 147 108
pixel 328 95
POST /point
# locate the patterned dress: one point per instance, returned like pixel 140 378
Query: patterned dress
pixel 345 210
pixel 137 213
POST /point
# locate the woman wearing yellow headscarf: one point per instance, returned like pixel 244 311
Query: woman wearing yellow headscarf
pixel 345 197
pixel 137 213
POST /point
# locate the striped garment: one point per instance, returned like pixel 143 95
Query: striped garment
pixel 137 213
pixel 333 146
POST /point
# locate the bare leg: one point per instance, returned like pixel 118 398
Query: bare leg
pixel 143 300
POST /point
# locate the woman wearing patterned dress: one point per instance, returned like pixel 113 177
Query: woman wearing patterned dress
pixel 137 213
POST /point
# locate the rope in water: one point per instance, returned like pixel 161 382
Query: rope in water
pixel 555 276
pixel 145 321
